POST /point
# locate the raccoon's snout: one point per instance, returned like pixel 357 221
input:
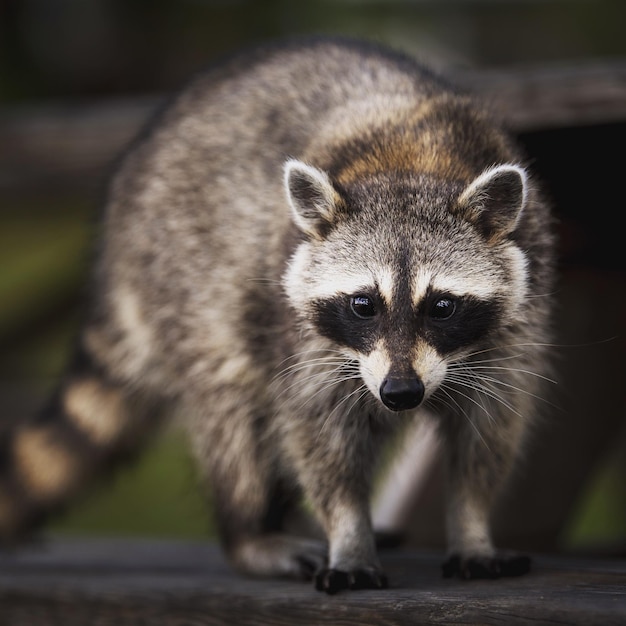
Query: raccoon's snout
pixel 400 394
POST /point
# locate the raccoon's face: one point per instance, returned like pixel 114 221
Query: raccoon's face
pixel 403 280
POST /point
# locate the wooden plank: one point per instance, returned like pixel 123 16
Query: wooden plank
pixel 73 145
pixel 121 582
pixel 555 96
pixel 67 145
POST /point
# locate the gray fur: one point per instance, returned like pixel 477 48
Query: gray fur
pixel 215 261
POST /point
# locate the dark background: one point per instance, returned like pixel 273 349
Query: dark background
pixel 78 76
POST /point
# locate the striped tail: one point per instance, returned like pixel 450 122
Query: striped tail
pixel 90 424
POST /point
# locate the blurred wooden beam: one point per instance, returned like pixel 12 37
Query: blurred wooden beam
pixel 553 96
pixel 67 145
pixel 72 145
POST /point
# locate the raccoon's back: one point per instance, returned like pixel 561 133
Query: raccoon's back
pixel 223 141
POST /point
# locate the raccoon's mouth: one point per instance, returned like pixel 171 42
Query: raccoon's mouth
pixel 401 394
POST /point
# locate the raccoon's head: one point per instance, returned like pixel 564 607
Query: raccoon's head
pixel 406 274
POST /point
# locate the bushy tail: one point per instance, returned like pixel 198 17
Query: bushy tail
pixel 90 423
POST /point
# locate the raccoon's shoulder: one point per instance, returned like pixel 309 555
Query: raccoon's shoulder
pixel 283 99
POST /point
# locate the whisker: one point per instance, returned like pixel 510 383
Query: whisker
pixel 325 383
pixel 322 378
pixel 321 367
pixel 472 400
pixel 361 390
pixel 518 370
pixel 463 363
pixel 529 344
pixel 512 388
pixel 483 390
pixel 326 351
pixel 333 382
pixel 327 357
pixel 465 413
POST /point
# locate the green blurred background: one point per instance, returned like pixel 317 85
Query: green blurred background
pixel 76 79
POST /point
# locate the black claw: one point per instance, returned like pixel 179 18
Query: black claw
pixel 362 579
pixel 482 568
pixel 485 567
pixel 332 580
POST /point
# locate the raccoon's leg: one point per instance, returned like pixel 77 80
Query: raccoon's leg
pixel 353 563
pixel 250 502
pixel 481 450
pixel 255 540
pixel 336 477
pixel 90 422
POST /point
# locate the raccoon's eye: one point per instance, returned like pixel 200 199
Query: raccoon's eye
pixel 363 306
pixel 443 309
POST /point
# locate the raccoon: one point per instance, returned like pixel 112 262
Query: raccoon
pixel 313 241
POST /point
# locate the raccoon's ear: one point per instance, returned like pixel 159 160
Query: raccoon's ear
pixel 313 199
pixel 495 199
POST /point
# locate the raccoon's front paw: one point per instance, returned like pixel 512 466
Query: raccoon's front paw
pixel 486 567
pixel 334 580
pixel 279 555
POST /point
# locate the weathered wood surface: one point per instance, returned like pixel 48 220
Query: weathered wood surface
pixel 101 582
pixel 73 144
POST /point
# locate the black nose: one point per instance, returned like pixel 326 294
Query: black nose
pixel 400 394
